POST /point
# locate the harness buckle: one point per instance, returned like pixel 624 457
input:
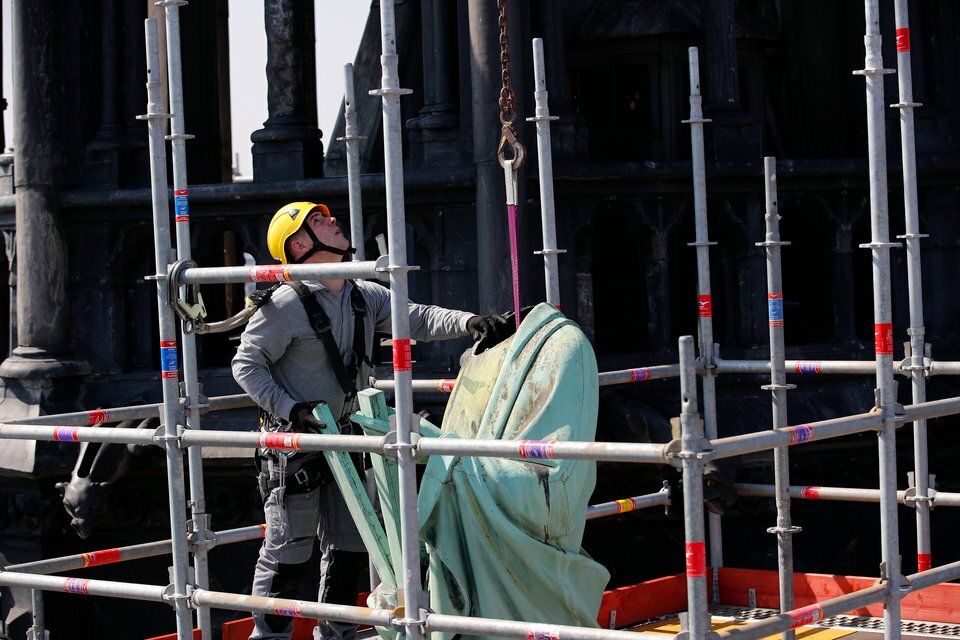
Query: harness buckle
pixel 302 477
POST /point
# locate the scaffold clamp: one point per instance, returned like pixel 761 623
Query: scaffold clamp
pixel 785 530
pixel 161 437
pixel 171 597
pixel 394 449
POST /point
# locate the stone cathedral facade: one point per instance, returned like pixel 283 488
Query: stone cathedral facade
pixel 776 79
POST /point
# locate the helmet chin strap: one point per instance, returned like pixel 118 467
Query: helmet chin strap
pixel 319 246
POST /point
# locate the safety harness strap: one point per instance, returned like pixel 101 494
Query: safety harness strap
pixel 320 322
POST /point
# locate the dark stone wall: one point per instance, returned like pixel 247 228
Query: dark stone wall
pixel 624 214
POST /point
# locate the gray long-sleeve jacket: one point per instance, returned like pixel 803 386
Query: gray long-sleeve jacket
pixel 280 360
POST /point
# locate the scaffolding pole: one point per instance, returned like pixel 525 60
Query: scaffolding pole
pixel 407 425
pixel 124 554
pixel 168 338
pixel 917 351
pixel 352 140
pixel 616 507
pixel 778 388
pixel 880 246
pixel 199 524
pixel 284 272
pixel 548 217
pixel 845 494
pixel 691 459
pixel 606 378
pixel 135 412
pixel 704 298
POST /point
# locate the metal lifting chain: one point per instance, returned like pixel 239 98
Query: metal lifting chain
pixel 508 99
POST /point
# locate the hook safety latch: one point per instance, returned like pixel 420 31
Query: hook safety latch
pixel 192 310
pixel 509 143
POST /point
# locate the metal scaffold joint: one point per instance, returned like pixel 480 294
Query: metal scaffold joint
pixel 785 530
pixel 705 243
pixel 171 3
pixel 351 138
pixel 179 136
pixel 388 91
pixel 880 245
pixel 873 72
pixel 696 121
pixel 171 597
pixel 542 118
pixel 897 586
pixel 161 437
pixel 154 116
pixel 778 387
pixel 773 243
pixel 906 105
pixel 394 449
pixel 913 236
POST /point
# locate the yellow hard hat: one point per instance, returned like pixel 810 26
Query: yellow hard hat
pixel 286 222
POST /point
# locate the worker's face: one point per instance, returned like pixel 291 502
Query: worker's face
pixel 327 231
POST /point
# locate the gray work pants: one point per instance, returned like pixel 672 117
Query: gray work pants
pixel 293 519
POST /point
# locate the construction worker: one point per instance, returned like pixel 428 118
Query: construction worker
pixel 309 343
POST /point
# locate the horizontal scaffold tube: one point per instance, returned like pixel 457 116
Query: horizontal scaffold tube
pixel 931 409
pixel 134 412
pixel 83 587
pixel 282 441
pixel 808 615
pixel 802 367
pixel 814 613
pixel 604 509
pixel 788 436
pixel 655 453
pixel 292 608
pixel 285 272
pixel 132 552
pixel 540 449
pixel 842 494
pixel 623 376
pixel 77 434
pixel 526 630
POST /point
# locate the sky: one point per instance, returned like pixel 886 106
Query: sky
pixel 339 26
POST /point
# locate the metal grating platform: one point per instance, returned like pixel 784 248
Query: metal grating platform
pixel 860 623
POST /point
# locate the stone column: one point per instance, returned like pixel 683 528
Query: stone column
pixel 43 319
pixel 493 240
pixel 134 170
pixel 569 133
pixel 288 146
pixel 103 152
pixel 733 134
pixel 434 140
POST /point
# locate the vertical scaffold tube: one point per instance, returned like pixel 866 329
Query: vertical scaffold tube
pixel 199 520
pixel 704 298
pixel 352 142
pixel 917 366
pixel 36 630
pixel 691 456
pixel 882 313
pixel 390 93
pixel 168 334
pixel 548 218
pixel 778 388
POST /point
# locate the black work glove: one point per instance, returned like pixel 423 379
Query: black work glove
pixel 302 419
pixel 489 331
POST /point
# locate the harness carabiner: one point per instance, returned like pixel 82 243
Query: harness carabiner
pixel 508 141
